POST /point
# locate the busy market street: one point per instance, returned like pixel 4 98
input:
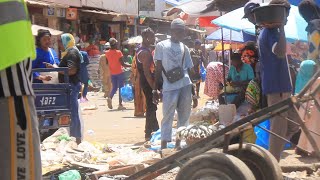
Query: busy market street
pixel 160 89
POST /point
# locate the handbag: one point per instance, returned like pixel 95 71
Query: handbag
pixel 176 73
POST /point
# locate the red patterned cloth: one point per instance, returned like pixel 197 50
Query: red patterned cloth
pixel 214 78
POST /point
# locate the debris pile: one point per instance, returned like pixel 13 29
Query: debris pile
pixel 60 153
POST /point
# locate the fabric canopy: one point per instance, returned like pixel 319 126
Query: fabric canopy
pixel 35 29
pixel 228 46
pixel 297 2
pixel 176 2
pixel 295 27
pixel 206 21
pixel 193 9
pixel 234 36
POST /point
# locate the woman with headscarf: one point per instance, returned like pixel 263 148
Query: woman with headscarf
pixel 308 111
pixel 71 58
pixel 45 54
pixel 310 11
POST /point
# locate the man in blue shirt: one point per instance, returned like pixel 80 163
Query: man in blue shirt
pixel 276 83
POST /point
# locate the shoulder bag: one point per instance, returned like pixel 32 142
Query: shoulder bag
pixel 176 73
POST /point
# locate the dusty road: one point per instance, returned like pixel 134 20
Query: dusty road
pixel 112 126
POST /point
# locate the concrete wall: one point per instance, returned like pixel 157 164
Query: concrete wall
pixel 129 7
pixel 121 6
pixel 160 6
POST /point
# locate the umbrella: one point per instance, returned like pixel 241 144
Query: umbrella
pixel 295 28
pixel 297 2
pixel 228 46
pixel 234 36
pixel 35 29
pixel 133 40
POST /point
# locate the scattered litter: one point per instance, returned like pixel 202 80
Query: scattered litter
pixel 89 107
pixel 70 175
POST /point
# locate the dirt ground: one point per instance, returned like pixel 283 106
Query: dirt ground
pixel 121 127
pixel 114 126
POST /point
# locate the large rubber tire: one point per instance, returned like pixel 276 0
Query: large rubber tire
pixel 215 166
pixel 260 161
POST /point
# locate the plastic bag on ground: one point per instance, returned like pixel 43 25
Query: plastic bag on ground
pixel 70 175
pixel 126 93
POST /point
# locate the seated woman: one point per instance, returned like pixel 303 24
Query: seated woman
pixel 45 54
pixel 239 76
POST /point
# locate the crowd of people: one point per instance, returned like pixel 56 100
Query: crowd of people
pixel 168 71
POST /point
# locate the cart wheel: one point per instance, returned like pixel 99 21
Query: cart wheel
pixel 260 161
pixel 215 166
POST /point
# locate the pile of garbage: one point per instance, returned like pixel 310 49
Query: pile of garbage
pixel 60 153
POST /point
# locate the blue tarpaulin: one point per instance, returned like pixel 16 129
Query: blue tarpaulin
pixel 295 27
pixel 236 36
pixel 297 2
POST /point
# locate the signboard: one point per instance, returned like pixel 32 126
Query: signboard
pixel 60 12
pixel 131 20
pixel 50 11
pixel 54 12
pixel 147 5
pixel 72 14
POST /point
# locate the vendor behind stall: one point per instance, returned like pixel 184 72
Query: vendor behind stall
pixel 239 76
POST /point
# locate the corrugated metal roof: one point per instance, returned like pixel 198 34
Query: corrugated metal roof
pixel 47 4
pixel 195 8
pixel 101 12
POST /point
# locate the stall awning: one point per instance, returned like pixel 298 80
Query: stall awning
pixel 35 29
pixel 193 9
pixel 101 12
pixel 176 2
pixel 46 4
pixel 206 21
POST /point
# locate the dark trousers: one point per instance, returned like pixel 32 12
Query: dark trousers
pixel 151 115
pixel 117 83
pixel 198 88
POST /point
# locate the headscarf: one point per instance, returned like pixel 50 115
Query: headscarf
pixel 69 43
pixel 305 74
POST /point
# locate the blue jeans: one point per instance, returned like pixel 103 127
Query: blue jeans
pixel 75 127
pixel 179 100
pixel 117 83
